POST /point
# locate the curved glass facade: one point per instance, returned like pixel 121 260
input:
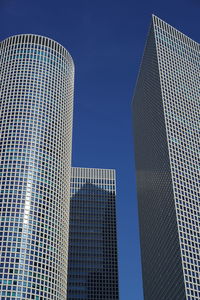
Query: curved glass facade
pixel 36 106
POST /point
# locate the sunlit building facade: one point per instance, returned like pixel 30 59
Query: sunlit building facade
pixel 92 266
pixel 36 105
pixel 166 129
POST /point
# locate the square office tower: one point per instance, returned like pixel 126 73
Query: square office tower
pixel 166 130
pixel 92 265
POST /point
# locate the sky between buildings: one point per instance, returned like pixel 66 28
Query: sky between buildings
pixel 106 40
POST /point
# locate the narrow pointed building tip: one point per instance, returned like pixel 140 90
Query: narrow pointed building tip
pixel 163 25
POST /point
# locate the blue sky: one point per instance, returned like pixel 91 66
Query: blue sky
pixel 106 40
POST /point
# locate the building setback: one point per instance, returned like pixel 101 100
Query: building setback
pixel 166 130
pixel 36 105
pixel 92 266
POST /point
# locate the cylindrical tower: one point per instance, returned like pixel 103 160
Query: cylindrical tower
pixel 36 106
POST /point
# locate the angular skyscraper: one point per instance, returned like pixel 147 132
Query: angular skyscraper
pixel 36 105
pixel 92 266
pixel 166 128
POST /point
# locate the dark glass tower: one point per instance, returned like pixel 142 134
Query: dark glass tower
pixel 166 127
pixel 92 265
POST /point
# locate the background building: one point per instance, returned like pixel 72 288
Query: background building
pixel 166 127
pixel 36 104
pixel 92 266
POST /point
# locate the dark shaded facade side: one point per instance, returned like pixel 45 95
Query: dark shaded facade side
pixel 92 265
pixel 161 257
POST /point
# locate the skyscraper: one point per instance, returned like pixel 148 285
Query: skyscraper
pixel 92 266
pixel 166 127
pixel 36 105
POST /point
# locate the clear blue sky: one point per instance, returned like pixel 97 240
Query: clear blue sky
pixel 106 40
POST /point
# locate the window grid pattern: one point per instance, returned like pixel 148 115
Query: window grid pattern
pixel 92 266
pixel 160 249
pixel 36 106
pixel 178 59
